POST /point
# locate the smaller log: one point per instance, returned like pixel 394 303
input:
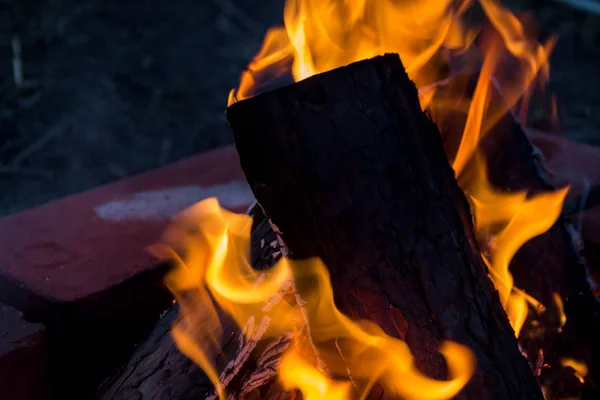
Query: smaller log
pixel 548 264
pixel 158 369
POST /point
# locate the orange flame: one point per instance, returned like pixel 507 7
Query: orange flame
pixel 318 35
pixel 214 265
pixel 509 220
pixel 314 384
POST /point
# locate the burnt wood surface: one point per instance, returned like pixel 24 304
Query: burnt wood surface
pixel 158 370
pixel 350 169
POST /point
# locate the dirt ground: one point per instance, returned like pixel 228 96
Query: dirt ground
pixel 114 87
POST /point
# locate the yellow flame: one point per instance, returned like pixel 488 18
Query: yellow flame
pixel 212 272
pixel 295 373
pixel 580 368
pixel 477 113
pixel 509 220
pixel 320 35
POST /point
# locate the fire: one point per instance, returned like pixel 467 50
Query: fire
pixel 436 42
pixel 428 35
pixel 214 273
pixel 321 35
pixel 508 220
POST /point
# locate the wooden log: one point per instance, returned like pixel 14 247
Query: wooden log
pixel 547 265
pixel 349 169
pixel 158 370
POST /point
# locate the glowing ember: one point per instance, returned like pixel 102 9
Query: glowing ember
pixel 319 35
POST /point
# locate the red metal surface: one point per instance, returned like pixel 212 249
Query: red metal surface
pixel 79 265
pixel 92 241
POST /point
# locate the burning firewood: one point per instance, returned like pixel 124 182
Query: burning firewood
pixel 158 369
pixel 548 267
pixel 349 169
pixel 394 230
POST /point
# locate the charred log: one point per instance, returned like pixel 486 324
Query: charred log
pixel 349 169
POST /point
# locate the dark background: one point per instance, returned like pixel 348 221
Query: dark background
pixel 117 87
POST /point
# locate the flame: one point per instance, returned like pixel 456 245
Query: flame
pixel 213 272
pixel 320 35
pixel 325 34
pixel 313 384
pixel 509 220
pixel 436 42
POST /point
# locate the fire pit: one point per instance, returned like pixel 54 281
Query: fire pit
pixel 392 252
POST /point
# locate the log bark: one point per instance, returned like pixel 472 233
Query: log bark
pixel 158 370
pixel 349 169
